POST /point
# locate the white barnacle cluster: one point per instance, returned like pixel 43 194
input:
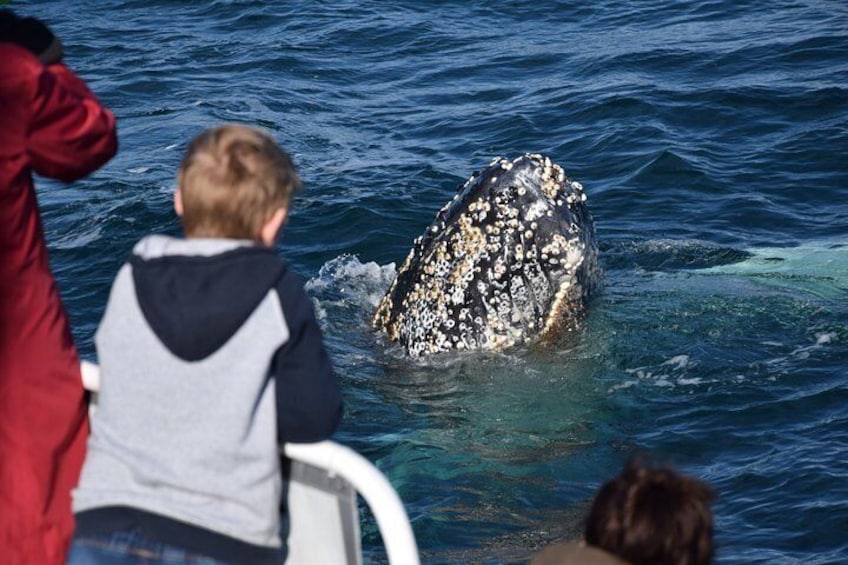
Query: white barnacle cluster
pixel 416 321
pixel 504 329
pixel 479 209
pixel 555 185
pixel 383 314
pixel 447 275
pixel 556 246
pixel 497 329
pixel 563 299
pixel 536 210
pixel 575 256
pixel 437 263
pixel 537 280
pixel 499 267
pixel 577 192
pixel 521 299
pixel 551 185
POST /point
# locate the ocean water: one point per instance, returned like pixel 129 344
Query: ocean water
pixel 712 139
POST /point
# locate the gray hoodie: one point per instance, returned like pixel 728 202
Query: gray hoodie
pixel 210 358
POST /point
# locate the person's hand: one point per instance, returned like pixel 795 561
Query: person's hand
pixel 31 34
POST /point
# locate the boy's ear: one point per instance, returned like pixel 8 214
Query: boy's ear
pixel 178 202
pixel 271 228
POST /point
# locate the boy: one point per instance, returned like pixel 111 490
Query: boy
pixel 210 358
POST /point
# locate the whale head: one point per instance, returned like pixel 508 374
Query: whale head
pixel 510 260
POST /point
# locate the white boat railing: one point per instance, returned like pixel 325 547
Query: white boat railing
pixel 324 480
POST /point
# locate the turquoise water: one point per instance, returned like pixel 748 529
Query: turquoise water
pixel 711 138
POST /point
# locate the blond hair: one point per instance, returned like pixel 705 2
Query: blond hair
pixel 232 180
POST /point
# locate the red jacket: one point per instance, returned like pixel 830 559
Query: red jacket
pixel 50 124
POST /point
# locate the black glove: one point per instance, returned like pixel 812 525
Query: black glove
pixel 31 34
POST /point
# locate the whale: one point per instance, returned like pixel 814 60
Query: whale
pixel 511 259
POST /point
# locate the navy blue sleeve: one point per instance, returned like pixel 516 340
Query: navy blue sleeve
pixel 309 402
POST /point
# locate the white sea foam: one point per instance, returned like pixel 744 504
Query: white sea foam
pixel 352 281
pixel 825 337
pixel 320 312
pixel 678 362
pixel 77 240
pixel 671 373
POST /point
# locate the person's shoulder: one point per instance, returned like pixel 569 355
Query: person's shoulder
pixel 290 283
pixel 17 61
pixel 574 553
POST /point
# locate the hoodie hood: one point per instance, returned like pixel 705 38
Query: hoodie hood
pixel 196 293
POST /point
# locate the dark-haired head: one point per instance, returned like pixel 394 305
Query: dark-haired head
pixel 653 515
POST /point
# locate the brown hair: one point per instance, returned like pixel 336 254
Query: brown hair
pixel 232 180
pixel 653 515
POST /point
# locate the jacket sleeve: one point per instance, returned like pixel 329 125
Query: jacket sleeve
pixel 71 135
pixel 309 403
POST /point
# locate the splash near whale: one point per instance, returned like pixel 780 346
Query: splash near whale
pixel 510 260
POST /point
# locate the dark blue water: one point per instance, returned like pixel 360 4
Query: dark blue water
pixel 711 138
